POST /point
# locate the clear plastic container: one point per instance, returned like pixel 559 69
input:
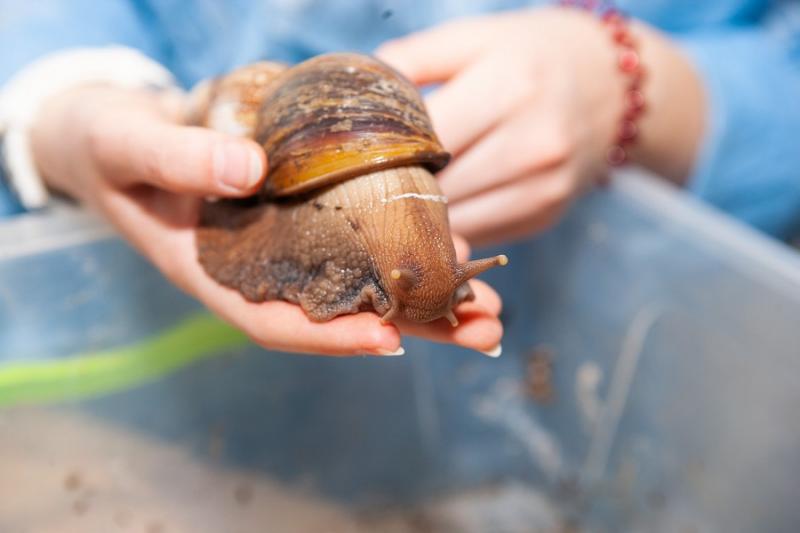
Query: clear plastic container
pixel 650 382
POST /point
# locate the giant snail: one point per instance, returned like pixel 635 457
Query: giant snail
pixel 350 216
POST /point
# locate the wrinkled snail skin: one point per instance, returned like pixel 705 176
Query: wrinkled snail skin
pixel 350 217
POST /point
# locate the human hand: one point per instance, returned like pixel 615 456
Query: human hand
pixel 529 105
pixel 126 154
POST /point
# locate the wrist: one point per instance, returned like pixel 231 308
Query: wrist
pixel 606 87
pixel 597 88
pixel 642 99
pixel 673 127
pixel 23 96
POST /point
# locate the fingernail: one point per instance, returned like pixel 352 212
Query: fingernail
pixel 236 167
pixel 494 352
pixel 388 353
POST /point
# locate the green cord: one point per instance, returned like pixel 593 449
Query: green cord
pixel 95 373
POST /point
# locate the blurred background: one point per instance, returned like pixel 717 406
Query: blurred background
pixel 650 379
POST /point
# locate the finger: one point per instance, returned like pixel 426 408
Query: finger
pixel 525 143
pixel 520 208
pixel 284 326
pixel 484 294
pixel 363 333
pixel 462 248
pixel 436 54
pixel 281 325
pixel 476 100
pixel 478 329
pixel 486 297
pixel 135 146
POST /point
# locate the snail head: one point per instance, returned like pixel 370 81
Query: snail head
pixel 426 294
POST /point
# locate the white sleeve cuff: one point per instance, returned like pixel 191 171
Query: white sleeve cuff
pixel 23 95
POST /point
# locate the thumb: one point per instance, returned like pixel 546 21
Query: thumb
pixel 437 54
pixel 135 143
pixel 462 248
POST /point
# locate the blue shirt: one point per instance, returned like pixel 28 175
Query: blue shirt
pixel 747 51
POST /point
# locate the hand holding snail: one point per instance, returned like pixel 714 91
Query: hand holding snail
pixel 350 217
pixel 128 155
pixel 529 105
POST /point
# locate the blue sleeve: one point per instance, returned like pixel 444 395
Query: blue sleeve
pixel 29 29
pixel 749 164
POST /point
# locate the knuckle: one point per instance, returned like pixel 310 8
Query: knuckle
pixel 557 195
pixel 463 24
pixel 553 146
pixel 401 51
pixel 521 145
pixel 191 163
pixel 389 47
pixel 544 221
pixel 472 24
pixel 96 139
pixel 207 168
pixel 528 80
pixel 153 166
pixel 560 143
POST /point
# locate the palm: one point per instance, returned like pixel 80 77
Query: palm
pixel 126 155
pixel 161 225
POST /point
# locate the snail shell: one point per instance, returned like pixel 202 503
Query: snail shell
pixel 350 216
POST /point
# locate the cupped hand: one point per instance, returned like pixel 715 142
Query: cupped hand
pixel 528 105
pixel 126 154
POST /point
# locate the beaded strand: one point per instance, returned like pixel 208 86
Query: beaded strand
pixel 629 64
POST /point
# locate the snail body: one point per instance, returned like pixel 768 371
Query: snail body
pixel 350 216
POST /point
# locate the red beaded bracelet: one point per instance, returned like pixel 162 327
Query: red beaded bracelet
pixel 629 63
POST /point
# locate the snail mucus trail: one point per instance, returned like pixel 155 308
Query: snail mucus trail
pixel 350 216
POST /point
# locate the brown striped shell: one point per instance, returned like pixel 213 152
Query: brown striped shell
pixel 327 119
pixel 342 115
pixel 231 103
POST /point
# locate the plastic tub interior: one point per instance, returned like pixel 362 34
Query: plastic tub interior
pixel 650 382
